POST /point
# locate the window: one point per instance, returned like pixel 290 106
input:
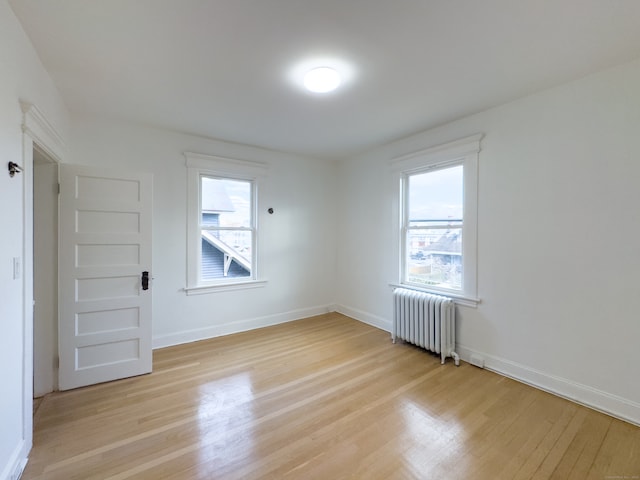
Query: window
pixel 438 219
pixel 222 223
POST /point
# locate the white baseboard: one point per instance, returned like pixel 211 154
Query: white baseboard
pixel 613 405
pixel 604 402
pixel 18 460
pixel 188 336
pixel 364 317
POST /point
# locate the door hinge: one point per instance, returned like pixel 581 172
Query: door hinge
pixel 56 362
pixel 58 189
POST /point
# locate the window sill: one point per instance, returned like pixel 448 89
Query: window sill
pixel 224 287
pixel 457 298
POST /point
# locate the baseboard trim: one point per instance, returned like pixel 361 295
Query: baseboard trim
pixel 595 399
pixel 585 395
pixel 194 335
pixel 16 463
pixel 364 317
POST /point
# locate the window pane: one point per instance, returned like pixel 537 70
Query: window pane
pixel 434 257
pixel 434 233
pixel 435 197
pixel 226 254
pixel 225 203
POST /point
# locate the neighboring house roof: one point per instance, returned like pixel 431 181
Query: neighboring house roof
pixel 213 263
pixel 448 243
pixel 227 249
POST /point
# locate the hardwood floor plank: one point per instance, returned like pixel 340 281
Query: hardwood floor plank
pixel 328 398
pixel 619 452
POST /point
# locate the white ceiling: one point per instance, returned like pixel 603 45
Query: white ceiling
pixel 223 68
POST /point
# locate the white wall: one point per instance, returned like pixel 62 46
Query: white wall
pixel 22 77
pixel 559 232
pixel 297 254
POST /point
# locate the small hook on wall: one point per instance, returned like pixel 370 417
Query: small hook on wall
pixel 14 168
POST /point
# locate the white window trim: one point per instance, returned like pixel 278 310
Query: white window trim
pixel 210 165
pixel 464 152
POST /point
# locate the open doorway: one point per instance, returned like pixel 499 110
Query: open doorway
pixel 45 273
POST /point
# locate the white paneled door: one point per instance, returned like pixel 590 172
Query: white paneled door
pixel 105 275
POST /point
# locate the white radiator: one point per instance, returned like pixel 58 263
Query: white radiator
pixel 425 320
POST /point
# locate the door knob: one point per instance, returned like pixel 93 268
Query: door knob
pixel 145 280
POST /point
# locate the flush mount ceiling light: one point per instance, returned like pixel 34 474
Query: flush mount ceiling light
pixel 318 75
pixel 322 80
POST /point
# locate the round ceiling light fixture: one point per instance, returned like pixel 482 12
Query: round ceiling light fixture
pixel 322 80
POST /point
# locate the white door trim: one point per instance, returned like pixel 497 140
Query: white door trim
pixel 39 131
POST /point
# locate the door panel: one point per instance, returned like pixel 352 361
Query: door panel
pixel 105 245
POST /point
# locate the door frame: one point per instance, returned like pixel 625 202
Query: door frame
pixel 37 130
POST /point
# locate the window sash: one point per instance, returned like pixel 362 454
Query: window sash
pixel 409 228
pixel 225 279
pixel 240 229
pixel 456 224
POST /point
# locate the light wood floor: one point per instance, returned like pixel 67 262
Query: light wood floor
pixel 322 398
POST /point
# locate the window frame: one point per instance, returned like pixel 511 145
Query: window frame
pixel 199 166
pixel 463 152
